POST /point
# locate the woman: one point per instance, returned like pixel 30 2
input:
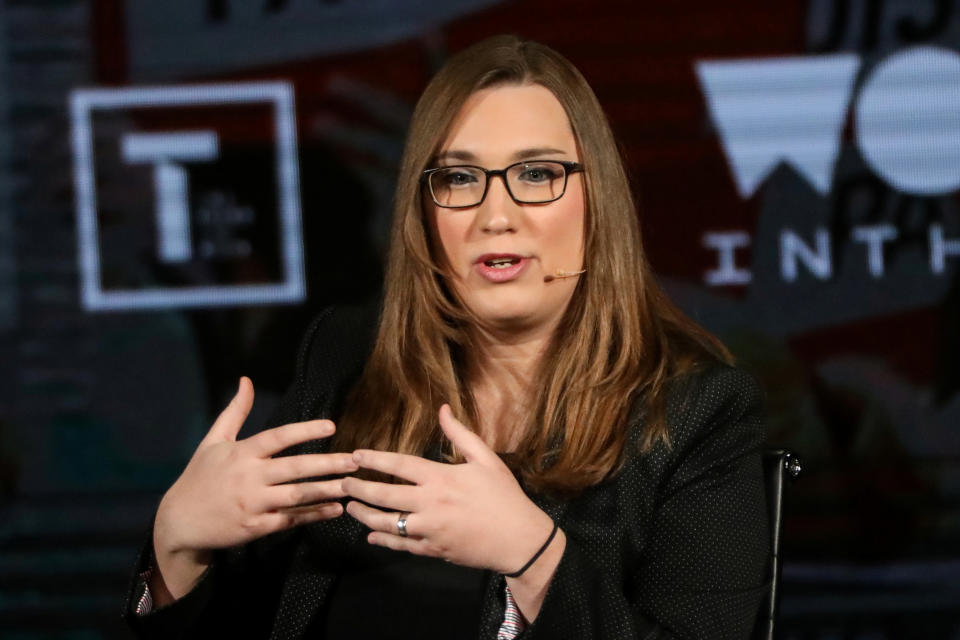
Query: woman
pixel 536 442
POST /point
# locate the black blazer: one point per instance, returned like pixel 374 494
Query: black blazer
pixel 676 545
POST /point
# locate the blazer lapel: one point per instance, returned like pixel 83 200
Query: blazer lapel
pixel 312 574
pixel 304 590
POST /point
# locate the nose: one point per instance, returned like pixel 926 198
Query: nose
pixel 498 213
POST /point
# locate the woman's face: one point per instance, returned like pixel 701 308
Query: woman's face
pixel 495 128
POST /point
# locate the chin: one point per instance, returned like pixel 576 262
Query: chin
pixel 511 319
pixel 510 316
pixel 516 310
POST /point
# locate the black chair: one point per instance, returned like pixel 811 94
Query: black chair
pixel 779 467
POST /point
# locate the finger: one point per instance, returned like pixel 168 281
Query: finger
pixel 294 517
pixel 230 420
pixel 301 493
pixel 402 465
pixel 380 520
pixel 266 443
pixel 311 508
pixel 307 465
pixel 418 546
pixel 472 446
pixel 398 497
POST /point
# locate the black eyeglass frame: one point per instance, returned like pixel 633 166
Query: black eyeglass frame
pixel 568 168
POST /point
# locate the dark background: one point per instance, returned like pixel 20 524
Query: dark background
pixel 99 411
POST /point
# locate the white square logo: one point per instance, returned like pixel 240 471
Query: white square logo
pixel 187 196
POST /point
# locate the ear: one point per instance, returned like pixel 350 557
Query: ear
pixel 472 446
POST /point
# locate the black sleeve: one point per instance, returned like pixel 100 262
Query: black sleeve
pixel 697 568
pixel 237 595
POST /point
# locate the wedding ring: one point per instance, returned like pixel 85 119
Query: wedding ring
pixel 402 524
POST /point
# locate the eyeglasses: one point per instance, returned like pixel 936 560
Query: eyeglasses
pixel 527 182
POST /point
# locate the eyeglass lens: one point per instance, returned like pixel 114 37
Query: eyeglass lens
pixel 528 183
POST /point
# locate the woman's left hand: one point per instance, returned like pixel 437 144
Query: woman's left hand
pixel 473 514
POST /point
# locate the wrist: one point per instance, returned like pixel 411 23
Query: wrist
pixel 168 533
pixel 164 538
pixel 178 566
pixel 539 552
pixel 529 590
pixel 176 572
pixel 528 545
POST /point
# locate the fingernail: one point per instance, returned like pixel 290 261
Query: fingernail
pixel 326 428
pixel 357 457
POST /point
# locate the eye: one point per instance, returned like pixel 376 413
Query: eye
pixel 537 173
pixel 457 177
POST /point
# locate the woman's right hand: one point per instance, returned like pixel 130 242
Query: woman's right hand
pixel 232 492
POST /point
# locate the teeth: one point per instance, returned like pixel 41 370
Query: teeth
pixel 500 263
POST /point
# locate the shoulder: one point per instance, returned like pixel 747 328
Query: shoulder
pixel 714 415
pixel 339 335
pixel 332 355
pixel 714 394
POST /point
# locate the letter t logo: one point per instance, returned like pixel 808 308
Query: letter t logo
pixel 164 151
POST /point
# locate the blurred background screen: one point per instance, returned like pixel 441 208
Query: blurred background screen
pixel 184 184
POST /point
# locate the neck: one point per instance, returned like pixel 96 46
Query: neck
pixel 500 373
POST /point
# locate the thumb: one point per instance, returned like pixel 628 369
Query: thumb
pixel 472 446
pixel 228 423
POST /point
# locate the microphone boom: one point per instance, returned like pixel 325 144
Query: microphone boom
pixel 563 274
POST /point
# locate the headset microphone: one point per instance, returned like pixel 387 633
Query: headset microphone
pixel 563 274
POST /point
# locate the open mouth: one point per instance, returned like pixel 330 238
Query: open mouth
pixel 501 267
pixel 501 263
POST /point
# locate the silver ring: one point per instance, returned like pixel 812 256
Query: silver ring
pixel 402 524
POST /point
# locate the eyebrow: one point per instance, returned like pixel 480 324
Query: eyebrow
pixel 523 154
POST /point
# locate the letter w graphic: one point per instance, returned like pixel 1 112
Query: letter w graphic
pixel 776 110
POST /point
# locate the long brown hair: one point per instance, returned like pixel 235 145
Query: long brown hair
pixel 620 338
